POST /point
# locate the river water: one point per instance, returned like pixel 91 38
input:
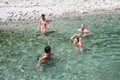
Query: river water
pixel 21 44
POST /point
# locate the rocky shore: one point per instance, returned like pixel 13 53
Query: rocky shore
pixel 15 10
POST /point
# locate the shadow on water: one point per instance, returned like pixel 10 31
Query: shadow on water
pixel 85 49
pixel 50 32
pixel 48 64
pixel 47 33
pixel 37 33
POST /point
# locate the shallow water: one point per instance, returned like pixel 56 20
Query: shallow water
pixel 21 43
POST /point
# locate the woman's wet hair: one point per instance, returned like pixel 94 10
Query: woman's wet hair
pixel 47 49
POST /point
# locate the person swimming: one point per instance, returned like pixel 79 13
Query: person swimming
pixel 83 31
pixel 46 56
pixel 42 25
pixel 77 42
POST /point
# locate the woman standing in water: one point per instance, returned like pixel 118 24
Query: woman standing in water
pixel 46 56
pixel 83 31
pixel 42 25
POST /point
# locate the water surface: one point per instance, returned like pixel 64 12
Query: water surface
pixel 21 43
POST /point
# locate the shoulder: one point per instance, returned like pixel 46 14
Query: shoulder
pixel 45 54
pixel 41 19
pixel 79 29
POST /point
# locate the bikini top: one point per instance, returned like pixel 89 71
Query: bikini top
pixel 43 22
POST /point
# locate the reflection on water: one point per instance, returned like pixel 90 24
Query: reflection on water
pixel 21 43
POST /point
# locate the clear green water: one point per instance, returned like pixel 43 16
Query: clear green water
pixel 20 45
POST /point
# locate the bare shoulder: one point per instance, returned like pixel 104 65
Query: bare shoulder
pixel 45 54
pixel 40 19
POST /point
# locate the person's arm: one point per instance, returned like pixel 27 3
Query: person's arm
pixel 48 22
pixel 80 41
pixel 87 32
pixel 71 39
pixel 41 59
pixel 78 30
pixel 80 44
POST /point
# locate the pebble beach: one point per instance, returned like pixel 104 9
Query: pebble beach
pixel 12 10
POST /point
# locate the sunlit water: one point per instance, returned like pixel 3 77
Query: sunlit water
pixel 21 44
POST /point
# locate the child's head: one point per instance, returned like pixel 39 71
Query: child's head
pixel 47 49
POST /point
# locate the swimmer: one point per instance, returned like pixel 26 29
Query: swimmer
pixel 45 56
pixel 83 31
pixel 77 42
pixel 42 25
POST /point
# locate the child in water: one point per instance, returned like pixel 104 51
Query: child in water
pixel 77 42
pixel 45 56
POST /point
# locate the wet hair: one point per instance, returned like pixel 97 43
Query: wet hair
pixel 43 15
pixel 47 49
pixel 77 39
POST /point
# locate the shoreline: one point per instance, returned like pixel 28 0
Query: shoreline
pixel 34 22
pixel 67 16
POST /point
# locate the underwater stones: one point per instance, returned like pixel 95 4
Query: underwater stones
pixel 2 78
pixel 37 43
pixel 2 67
pixel 1 58
pixel 12 59
pixel 24 51
pixel 22 66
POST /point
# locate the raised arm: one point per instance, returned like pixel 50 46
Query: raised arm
pixel 78 30
pixel 80 44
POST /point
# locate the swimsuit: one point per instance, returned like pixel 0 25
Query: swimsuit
pixel 43 26
pixel 43 22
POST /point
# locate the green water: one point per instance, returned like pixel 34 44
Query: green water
pixel 21 43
